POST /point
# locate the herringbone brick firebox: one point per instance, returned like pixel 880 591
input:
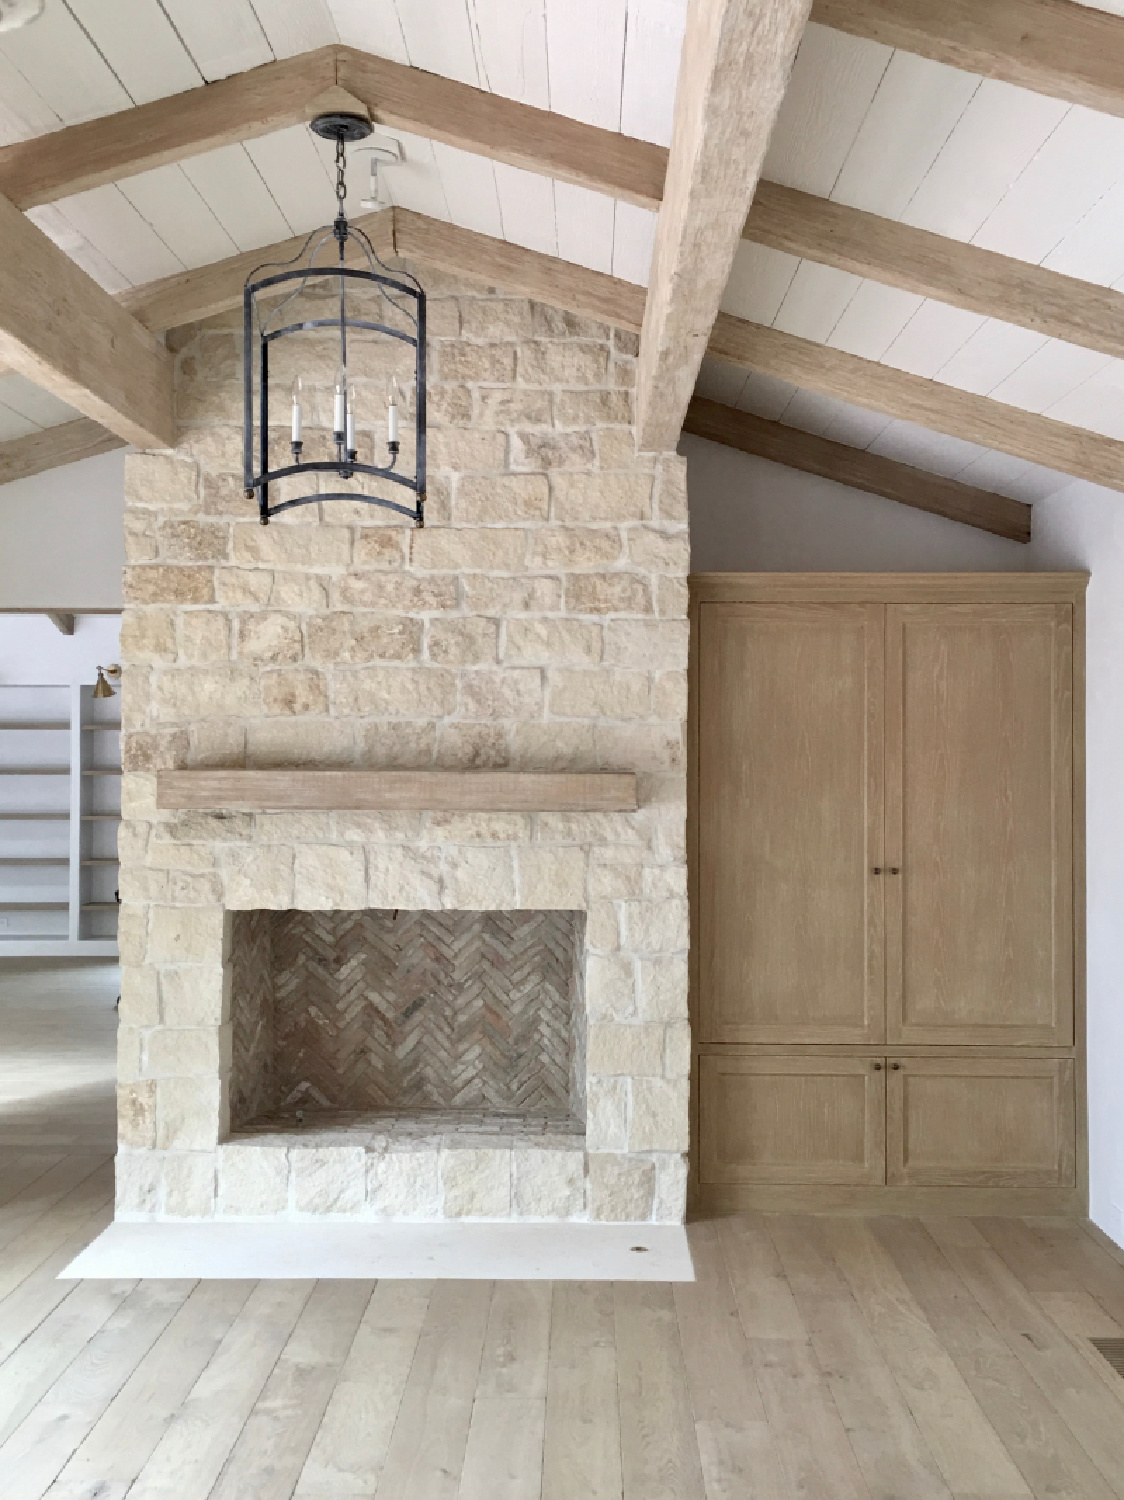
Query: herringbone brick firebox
pixel 408 1012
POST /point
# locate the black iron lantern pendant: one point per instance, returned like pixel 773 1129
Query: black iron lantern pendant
pixel 343 338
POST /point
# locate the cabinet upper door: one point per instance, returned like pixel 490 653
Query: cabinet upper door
pixel 979 805
pixel 790 822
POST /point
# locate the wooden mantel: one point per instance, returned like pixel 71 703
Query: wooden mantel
pixel 400 791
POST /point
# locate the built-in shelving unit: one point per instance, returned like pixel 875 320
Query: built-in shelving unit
pixel 60 801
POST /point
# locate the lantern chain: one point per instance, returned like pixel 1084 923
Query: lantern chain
pixel 341 185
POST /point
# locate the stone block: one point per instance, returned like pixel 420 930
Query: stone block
pixel 329 1179
pixel 410 692
pixel 139 1183
pixel 253 1181
pixel 208 692
pixel 475 1183
pixel 655 926
pixel 488 549
pixel 140 999
pixel 477 827
pixel 330 876
pixel 481 500
pixel 148 635
pixel 608 594
pixel 303 591
pixel 616 881
pixel 156 583
pixel 191 541
pixel 403 1184
pixel 658 1121
pixel 466 449
pixel 191 1114
pixel 495 318
pixel 569 363
pixel 478 878
pixel 545 451
pixel 292 545
pixel 188 1052
pixel 551 879
pixel 602 929
pixel 204 636
pixel 476 364
pixel 513 693
pixel 621 495
pixel 606 1114
pixel 631 1050
pixel 669 696
pixel 269 637
pixel 602 694
pixel 606 408
pixel 672 598
pixel 575 547
pixel 136 1115
pixel 189 1185
pixel 466 640
pixel 258 877
pixel 511 596
pixel 552 322
pixel 286 742
pixel 449 405
pixel 552 642
pixel 610 987
pixel 187 934
pixel 241 586
pixel 548 1184
pixel 656 645
pixel 621 1189
pixel 140 537
pixel 660 551
pixel 381 547
pixel 392 591
pixel 401 877
pixel 632 746
pixel 616 449
pixel 671 1189
pixel 195 995
pixel 294 691
pixel 513 407
pixel 671 488
pixel 401 745
pixel 361 638
pixel 157 482
pixel 473 746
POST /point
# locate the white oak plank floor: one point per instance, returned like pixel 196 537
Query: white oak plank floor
pixel 813 1359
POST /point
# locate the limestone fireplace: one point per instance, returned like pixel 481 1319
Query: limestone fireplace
pixel 537 623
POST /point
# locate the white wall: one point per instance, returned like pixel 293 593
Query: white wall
pixel 32 651
pixel 62 538
pixel 750 515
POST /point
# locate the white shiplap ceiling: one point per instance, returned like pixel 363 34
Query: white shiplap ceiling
pixel 882 130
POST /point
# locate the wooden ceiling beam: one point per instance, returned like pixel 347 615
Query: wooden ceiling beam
pixel 59 329
pixel 910 398
pixel 733 72
pixel 859 470
pixel 1054 47
pixel 65 444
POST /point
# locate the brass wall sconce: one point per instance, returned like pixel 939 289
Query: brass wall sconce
pixel 102 688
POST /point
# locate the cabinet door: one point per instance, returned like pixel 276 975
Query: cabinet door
pixel 790 817
pixel 981 1122
pixel 979 822
pixel 792 1119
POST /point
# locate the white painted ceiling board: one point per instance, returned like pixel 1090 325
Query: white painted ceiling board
pixel 815 301
pixel 909 120
pixel 23 112
pixel 222 36
pixel 809 411
pixel 855 425
pixel 1093 250
pixel 935 451
pixel 834 79
pixel 719 381
pixel 993 141
pixel 873 318
pixel 759 280
pixel 1081 161
pixel 991 355
pixel 586 223
pixel 415 182
pixel 652 48
pixel 527 208
pixel 109 222
pixel 585 46
pixel 232 187
pixel 57 227
pixel 141 46
pixel 634 235
pixel 63 66
pixel 438 37
pixel 370 25
pixel 168 200
pixel 293 26
pixel 298 178
pixel 509 43
pixel 931 337
pixel 13 426
pixel 470 189
pixel 1098 404
pixel 766 396
pixel 37 406
pixel 1050 374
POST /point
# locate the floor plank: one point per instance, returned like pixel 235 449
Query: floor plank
pixel 659 1455
pixel 503 1459
pixel 582 1440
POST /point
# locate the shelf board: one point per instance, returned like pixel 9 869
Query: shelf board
pixel 29 859
pixel 97 728
pixel 34 770
pixel 425 791
pixel 34 905
pixel 35 724
pixel 34 817
pixel 101 771
pixel 99 906
pixel 101 817
pixel 105 860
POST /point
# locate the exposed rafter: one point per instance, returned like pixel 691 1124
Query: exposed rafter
pixel 737 55
pixel 1054 47
pixel 980 281
pixel 942 408
pixel 62 331
pixel 54 446
pixel 860 470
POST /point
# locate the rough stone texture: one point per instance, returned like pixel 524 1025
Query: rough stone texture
pixel 537 623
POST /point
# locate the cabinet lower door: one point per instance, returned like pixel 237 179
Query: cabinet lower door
pixel 792 1119
pixel 980 1122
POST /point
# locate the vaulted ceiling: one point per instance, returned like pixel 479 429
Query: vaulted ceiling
pixel 865 124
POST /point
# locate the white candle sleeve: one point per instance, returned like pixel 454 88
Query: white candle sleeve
pixel 350 429
pixel 392 423
pixel 340 417
pixel 296 420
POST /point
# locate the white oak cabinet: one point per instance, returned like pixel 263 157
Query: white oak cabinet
pixel 885 778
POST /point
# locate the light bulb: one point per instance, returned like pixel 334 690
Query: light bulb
pixel 339 416
pixel 298 387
